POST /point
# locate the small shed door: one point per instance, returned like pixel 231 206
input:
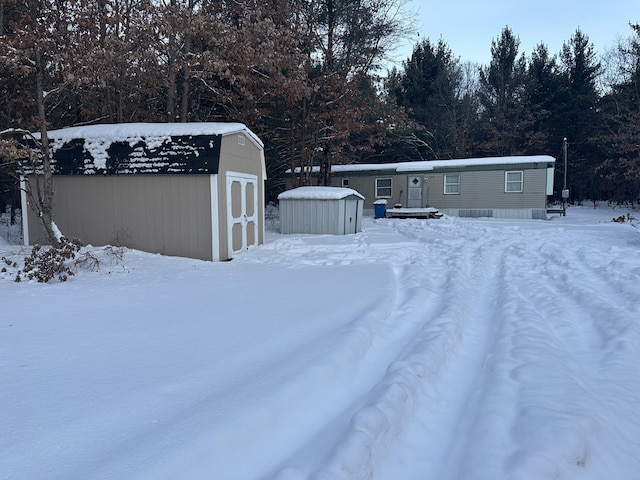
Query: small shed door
pixel 350 216
pixel 242 212
pixel 414 191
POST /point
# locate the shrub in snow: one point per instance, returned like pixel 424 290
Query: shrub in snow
pixel 95 260
pixel 623 218
pixel 47 263
pixel 9 263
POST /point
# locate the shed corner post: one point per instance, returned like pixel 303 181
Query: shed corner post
pixel 215 221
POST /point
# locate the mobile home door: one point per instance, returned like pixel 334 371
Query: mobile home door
pixel 414 191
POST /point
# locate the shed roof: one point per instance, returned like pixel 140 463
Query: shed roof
pixel 318 193
pixel 119 131
pixel 130 148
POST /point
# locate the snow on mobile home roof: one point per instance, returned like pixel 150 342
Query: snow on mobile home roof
pixel 469 162
pixel 433 164
pixel 318 193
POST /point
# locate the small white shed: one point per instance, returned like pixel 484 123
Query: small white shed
pixel 332 210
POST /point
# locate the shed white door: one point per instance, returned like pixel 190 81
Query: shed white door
pixel 350 216
pixel 242 212
pixel 414 191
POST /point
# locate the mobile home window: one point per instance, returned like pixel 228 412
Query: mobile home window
pixel 383 188
pixel 451 184
pixel 345 182
pixel 513 182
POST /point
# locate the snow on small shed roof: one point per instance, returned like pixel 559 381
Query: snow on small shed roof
pixel 318 193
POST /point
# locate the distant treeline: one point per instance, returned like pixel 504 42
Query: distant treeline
pixel 307 76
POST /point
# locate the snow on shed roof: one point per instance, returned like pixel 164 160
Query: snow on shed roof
pixel 433 164
pixel 318 193
pixel 118 131
pixel 128 148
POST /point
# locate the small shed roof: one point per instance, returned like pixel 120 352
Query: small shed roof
pixel 318 193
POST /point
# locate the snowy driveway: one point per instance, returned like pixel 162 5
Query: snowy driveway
pixel 448 349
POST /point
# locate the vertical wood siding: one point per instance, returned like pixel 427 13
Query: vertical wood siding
pixel 167 214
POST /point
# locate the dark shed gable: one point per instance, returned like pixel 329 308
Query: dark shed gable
pixel 187 154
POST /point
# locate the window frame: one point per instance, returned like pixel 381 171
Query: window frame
pixel 378 188
pixel 345 183
pixel 457 184
pixel 508 182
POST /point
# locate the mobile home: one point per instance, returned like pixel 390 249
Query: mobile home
pixel 501 187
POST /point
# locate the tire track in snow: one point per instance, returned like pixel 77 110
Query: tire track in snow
pixel 383 349
pixel 449 423
pixel 472 390
pixel 474 400
pixel 452 338
pixel 353 452
pixel 560 347
pixel 541 436
pixel 601 312
pixel 513 422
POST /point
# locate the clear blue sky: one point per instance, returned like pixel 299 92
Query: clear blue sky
pixel 469 26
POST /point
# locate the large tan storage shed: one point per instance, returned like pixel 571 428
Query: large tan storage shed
pixel 187 189
pixel 332 210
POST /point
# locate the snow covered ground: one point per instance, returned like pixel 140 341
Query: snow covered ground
pixel 441 349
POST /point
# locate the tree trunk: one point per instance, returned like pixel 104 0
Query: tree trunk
pixel 186 82
pixel 326 164
pixel 2 17
pixel 171 78
pixel 331 23
pixel 45 192
pixel 120 93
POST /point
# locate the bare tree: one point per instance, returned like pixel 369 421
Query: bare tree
pixel 36 51
pixel 345 43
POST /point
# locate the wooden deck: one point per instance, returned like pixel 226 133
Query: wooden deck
pixel 560 210
pixel 423 213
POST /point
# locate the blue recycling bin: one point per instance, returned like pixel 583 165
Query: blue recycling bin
pixel 380 209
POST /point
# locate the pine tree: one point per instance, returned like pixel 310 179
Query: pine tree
pixel 543 88
pixel 579 114
pixel 429 91
pixel 621 170
pixel 502 97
